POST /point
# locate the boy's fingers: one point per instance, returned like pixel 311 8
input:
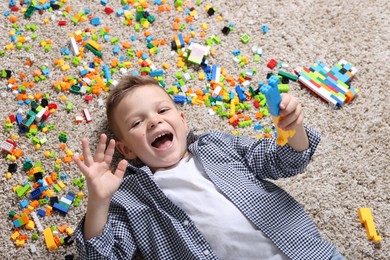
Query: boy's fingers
pixel 101 147
pixel 109 151
pixel 86 152
pixel 288 122
pixel 285 100
pixel 121 169
pixel 83 168
pixel 288 105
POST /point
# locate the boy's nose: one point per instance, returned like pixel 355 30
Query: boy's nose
pixel 154 121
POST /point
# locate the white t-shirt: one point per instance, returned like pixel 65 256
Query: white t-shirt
pixel 228 231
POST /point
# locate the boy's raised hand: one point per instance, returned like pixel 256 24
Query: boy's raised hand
pixel 290 112
pixel 291 118
pixel 101 182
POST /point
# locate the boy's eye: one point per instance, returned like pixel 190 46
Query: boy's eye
pixel 163 110
pixel 136 123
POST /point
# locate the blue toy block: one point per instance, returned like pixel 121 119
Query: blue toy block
pixel 149 38
pixel 41 213
pixel 207 69
pixel 156 73
pixel 347 66
pixel 178 99
pixel 273 81
pixel 240 93
pixel 70 196
pixel 264 28
pixel 18 223
pixel 35 194
pixel 213 72
pixel 120 12
pixel 95 21
pixel 116 49
pixel 19 119
pixel 45 71
pixel 23 203
pixel 273 98
pixel 83 72
pixel 258 127
pixel 236 52
pixel 106 72
pixel 181 40
pixel 61 208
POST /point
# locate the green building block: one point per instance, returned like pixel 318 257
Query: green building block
pixel 245 38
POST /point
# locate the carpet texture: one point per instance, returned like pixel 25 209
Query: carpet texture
pixel 349 171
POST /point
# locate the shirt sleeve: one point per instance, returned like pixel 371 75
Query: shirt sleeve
pixel 268 160
pixel 115 242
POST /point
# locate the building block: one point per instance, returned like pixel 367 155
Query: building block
pixel 197 53
pixel 22 191
pixel 333 86
pixel 367 221
pixel 49 239
pixel 273 99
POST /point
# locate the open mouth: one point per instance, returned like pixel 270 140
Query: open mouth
pixel 162 141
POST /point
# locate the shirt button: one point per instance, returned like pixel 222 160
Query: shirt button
pixel 186 222
pixel 206 252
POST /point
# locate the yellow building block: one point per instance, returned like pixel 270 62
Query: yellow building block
pixel 95 45
pixel 30 225
pixel 15 235
pixel 69 231
pixel 367 221
pixel 65 67
pixel 49 239
pixel 19 242
pixel 201 75
pixel 61 184
pixel 283 135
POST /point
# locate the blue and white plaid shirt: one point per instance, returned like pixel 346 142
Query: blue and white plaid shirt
pixel 142 219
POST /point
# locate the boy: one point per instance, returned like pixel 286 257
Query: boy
pixel 193 199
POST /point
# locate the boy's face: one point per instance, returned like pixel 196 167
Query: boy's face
pixel 151 127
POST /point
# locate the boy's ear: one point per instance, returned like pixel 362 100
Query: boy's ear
pixel 183 118
pixel 125 151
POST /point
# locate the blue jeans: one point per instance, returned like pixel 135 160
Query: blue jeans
pixel 337 256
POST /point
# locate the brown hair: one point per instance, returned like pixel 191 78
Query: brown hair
pixel 125 85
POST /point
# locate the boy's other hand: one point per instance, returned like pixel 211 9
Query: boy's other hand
pixel 291 114
pixel 101 182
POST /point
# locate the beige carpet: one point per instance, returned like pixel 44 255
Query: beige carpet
pixel 351 167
